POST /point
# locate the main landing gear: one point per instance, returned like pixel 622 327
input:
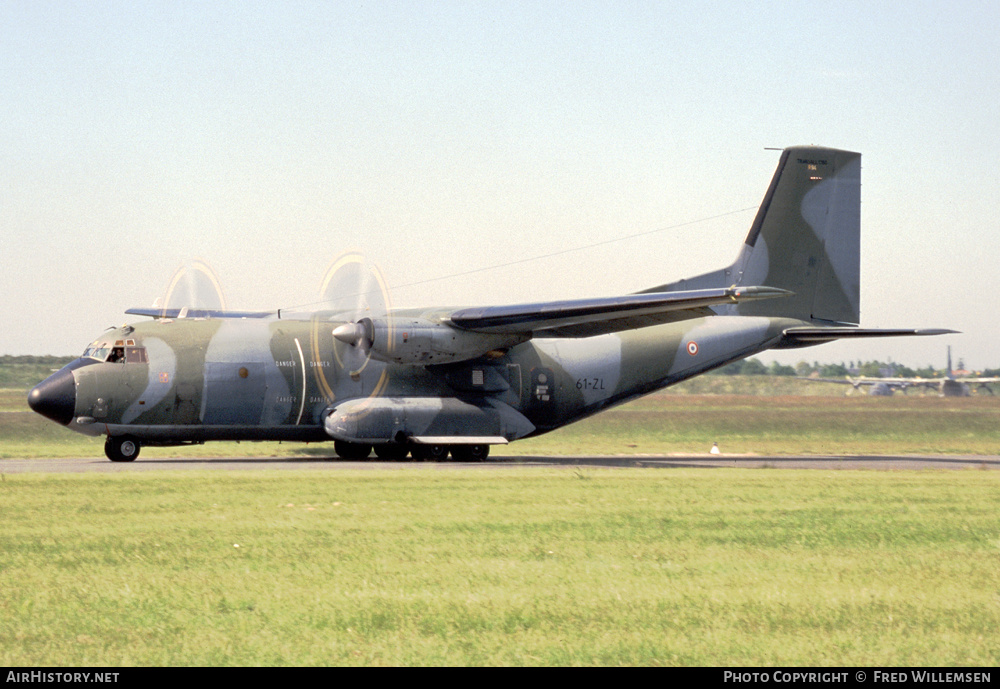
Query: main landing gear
pixel 123 448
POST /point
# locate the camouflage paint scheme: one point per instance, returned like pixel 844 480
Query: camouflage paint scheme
pixel 431 380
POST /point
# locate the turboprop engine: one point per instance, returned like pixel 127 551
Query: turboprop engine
pixel 421 341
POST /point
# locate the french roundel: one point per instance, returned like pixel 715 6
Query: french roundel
pixel 692 348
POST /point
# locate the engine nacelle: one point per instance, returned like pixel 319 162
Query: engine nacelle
pixel 421 341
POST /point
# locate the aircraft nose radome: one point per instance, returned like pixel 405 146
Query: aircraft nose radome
pixel 55 397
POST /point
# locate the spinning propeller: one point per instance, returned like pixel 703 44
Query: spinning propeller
pixel 355 291
pixel 193 286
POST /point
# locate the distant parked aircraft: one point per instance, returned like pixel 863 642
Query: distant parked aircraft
pixel 949 386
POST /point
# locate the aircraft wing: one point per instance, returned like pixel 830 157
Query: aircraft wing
pixel 590 317
pixel 840 381
pixel 900 383
pixel 904 383
pixel 155 312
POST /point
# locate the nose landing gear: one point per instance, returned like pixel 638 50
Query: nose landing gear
pixel 123 448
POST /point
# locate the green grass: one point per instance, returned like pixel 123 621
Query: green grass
pixel 741 424
pixel 515 567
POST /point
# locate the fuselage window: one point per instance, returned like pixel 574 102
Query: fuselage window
pixel 136 355
pixel 117 355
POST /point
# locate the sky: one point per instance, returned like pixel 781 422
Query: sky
pixel 486 152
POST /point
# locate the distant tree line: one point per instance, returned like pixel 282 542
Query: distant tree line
pixel 27 371
pixel 871 369
pixel 47 360
pixel 754 367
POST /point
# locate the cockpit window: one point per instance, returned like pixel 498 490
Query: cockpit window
pixel 97 352
pixel 117 354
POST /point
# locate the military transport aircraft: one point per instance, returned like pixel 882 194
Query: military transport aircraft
pixel 433 381
pixel 949 386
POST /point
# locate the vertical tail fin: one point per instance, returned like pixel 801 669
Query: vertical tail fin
pixel 805 239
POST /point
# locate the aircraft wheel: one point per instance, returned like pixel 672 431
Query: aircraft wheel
pixel 392 452
pixel 124 448
pixel 470 453
pixel 430 453
pixel 347 450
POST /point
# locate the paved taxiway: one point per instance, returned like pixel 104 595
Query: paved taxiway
pixel 910 462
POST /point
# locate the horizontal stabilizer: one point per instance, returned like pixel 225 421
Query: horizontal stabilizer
pixel 154 312
pixel 802 337
pixel 590 317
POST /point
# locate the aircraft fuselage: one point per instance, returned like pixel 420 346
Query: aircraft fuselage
pixel 192 380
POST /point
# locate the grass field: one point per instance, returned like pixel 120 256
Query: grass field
pixel 663 423
pixel 418 566
pixel 542 567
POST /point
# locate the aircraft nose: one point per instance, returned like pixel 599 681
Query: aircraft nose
pixel 55 397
